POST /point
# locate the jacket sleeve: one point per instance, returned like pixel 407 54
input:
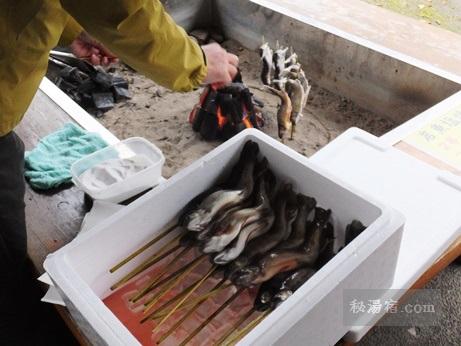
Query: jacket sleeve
pixel 70 32
pixel 144 36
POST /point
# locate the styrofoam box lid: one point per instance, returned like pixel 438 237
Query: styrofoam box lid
pixel 84 262
pixel 429 198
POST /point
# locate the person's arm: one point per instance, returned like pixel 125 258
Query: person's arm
pixel 70 32
pixel 86 47
pixel 145 37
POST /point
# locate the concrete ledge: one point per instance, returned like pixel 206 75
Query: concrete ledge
pixel 435 49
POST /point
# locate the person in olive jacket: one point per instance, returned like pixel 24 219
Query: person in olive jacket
pixel 139 32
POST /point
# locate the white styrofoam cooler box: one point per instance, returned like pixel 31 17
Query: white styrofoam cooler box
pixel 80 269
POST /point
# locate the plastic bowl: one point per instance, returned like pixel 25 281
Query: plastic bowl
pixel 131 185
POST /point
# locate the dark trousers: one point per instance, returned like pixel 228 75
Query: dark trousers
pixel 24 320
pixel 13 238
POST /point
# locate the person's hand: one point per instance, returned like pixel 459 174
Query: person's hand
pixel 222 66
pixel 86 47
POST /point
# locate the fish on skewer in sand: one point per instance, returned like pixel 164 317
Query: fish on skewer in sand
pixel 283 114
pixel 296 94
pixel 266 53
pixel 288 77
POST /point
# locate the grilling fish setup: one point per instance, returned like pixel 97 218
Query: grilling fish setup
pixel 283 76
pixel 250 236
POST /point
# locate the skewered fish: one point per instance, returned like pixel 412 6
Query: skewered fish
pixel 296 93
pixel 279 261
pixel 279 58
pixel 291 71
pixel 266 53
pixel 300 226
pixel 222 215
pixel 292 59
pixel 272 264
pixel 199 219
pixel 292 212
pixel 353 230
pixel 306 86
pixel 268 241
pixel 251 231
pixel 231 226
pixel 247 234
pixel 284 112
pixel 291 284
pixel 268 290
pixel 318 230
pixel 260 169
pixel 231 183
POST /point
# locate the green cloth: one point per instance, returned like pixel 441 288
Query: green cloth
pixel 48 165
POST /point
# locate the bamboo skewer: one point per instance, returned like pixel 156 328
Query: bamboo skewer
pixel 212 316
pixel 160 312
pixel 196 301
pixel 143 248
pixel 170 277
pixel 149 262
pixel 193 308
pixel 147 289
pixel 233 328
pixel 191 266
pixel 244 331
pixel 197 285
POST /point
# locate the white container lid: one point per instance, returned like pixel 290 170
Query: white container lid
pixel 429 199
pixel 131 148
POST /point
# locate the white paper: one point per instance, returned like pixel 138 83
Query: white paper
pixel 52 296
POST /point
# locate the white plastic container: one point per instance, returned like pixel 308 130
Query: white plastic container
pixel 313 315
pixel 131 185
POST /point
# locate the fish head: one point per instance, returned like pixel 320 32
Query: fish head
pixel 263 301
pixel 193 221
pixel 249 152
pixel 265 52
pixel 292 202
pixel 221 258
pixel 306 202
pixel 281 296
pixel 235 266
pixel 246 276
pixel 284 128
pixel 322 215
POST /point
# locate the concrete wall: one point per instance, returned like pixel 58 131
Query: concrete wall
pixel 394 88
